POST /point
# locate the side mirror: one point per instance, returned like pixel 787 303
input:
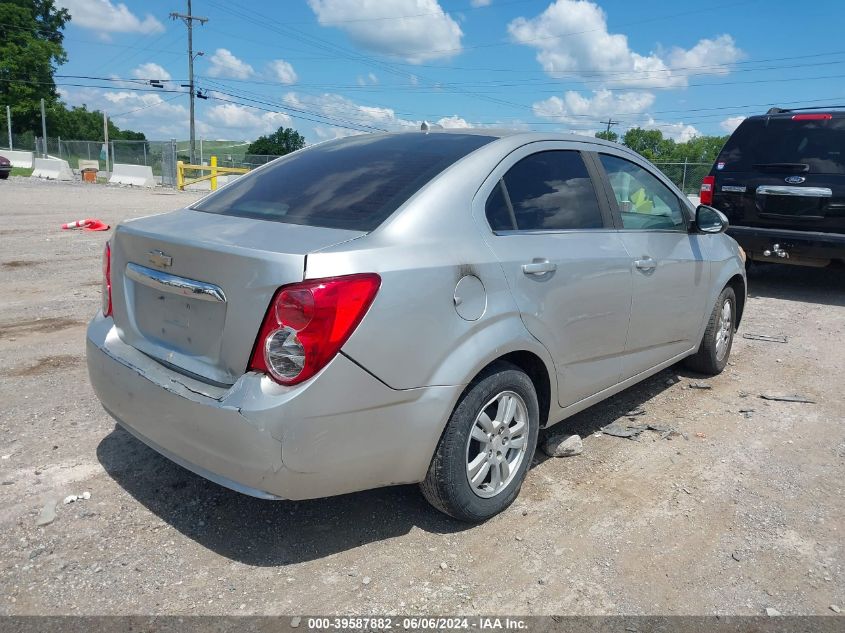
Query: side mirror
pixel 710 220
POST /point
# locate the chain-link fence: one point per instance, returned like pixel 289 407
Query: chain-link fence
pixel 161 156
pixel 687 176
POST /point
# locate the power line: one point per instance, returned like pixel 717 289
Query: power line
pixel 147 107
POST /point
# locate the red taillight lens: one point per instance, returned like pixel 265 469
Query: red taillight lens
pixel 307 323
pixel 107 280
pixel 707 187
pixel 811 117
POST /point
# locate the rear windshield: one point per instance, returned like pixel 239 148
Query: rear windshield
pixel 353 183
pixel 761 144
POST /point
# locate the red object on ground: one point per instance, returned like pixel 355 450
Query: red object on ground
pixel 89 224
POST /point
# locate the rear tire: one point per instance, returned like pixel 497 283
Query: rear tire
pixel 4 176
pixel 715 349
pixel 490 438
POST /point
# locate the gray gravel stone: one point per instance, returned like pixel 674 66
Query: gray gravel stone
pixel 563 446
pixel 48 513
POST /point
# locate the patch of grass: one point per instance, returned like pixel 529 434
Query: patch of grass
pixel 21 171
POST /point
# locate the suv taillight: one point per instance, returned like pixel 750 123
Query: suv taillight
pixel 107 280
pixel 307 323
pixel 707 187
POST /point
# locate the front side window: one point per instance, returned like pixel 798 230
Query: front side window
pixel 644 202
pixel 547 191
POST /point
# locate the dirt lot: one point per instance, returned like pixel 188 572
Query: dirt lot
pixel 746 512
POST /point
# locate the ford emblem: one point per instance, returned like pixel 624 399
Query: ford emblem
pixel 795 180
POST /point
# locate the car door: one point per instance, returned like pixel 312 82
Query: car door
pixel 564 261
pixel 670 271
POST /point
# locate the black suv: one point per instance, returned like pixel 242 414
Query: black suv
pixel 780 179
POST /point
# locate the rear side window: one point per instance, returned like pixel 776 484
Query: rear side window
pixel 353 183
pixel 782 143
pixel 547 191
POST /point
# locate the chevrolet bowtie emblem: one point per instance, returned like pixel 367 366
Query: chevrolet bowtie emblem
pixel 157 258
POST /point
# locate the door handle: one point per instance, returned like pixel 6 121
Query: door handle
pixel 539 267
pixel 646 263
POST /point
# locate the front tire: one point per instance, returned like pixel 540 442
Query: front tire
pixel 715 349
pixel 487 447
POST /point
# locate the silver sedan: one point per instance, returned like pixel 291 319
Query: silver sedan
pixel 406 308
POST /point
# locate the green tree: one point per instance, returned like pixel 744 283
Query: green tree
pixel 608 135
pixel 31 48
pixel 649 143
pixel 80 123
pixel 283 141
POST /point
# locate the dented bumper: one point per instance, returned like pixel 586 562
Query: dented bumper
pixel 339 432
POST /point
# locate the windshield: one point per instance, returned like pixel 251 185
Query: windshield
pixel 353 183
pixel 760 144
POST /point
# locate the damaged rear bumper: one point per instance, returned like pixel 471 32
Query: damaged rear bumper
pixel 341 431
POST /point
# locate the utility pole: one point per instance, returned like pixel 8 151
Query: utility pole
pixel 44 128
pixel 609 122
pixel 106 139
pixel 9 125
pixel 189 19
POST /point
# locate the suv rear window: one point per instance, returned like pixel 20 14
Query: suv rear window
pixel 353 183
pixel 758 143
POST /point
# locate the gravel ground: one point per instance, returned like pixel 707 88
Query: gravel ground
pixel 744 511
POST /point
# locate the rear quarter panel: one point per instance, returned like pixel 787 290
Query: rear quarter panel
pixel 412 336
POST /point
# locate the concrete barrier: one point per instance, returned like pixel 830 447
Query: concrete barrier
pixel 89 164
pixel 51 169
pixel 18 159
pixel 135 175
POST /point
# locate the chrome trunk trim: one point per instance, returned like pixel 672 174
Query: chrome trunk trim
pixel 806 192
pixel 173 284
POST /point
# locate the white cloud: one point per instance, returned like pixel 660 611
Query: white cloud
pixel 369 79
pixel 348 112
pixel 453 122
pixel 330 133
pixel 224 64
pixel 107 17
pixel 576 108
pixel 713 54
pixel 430 34
pixel 282 71
pixel 731 123
pixel 229 119
pixel 151 113
pixel 680 132
pixel 571 38
pixel 480 3
pixel 151 71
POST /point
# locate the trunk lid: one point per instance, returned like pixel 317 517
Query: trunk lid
pixel 191 289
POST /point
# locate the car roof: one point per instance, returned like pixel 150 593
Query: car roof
pixel 777 113
pixel 519 136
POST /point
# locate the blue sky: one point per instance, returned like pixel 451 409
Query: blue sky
pixel 333 67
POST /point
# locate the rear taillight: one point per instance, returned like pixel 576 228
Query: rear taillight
pixel 107 280
pixel 707 187
pixel 307 323
pixel 811 117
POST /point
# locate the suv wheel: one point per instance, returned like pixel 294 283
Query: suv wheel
pixel 487 447
pixel 715 348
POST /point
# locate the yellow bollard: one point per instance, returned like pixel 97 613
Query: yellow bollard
pixel 214 173
pixel 180 175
